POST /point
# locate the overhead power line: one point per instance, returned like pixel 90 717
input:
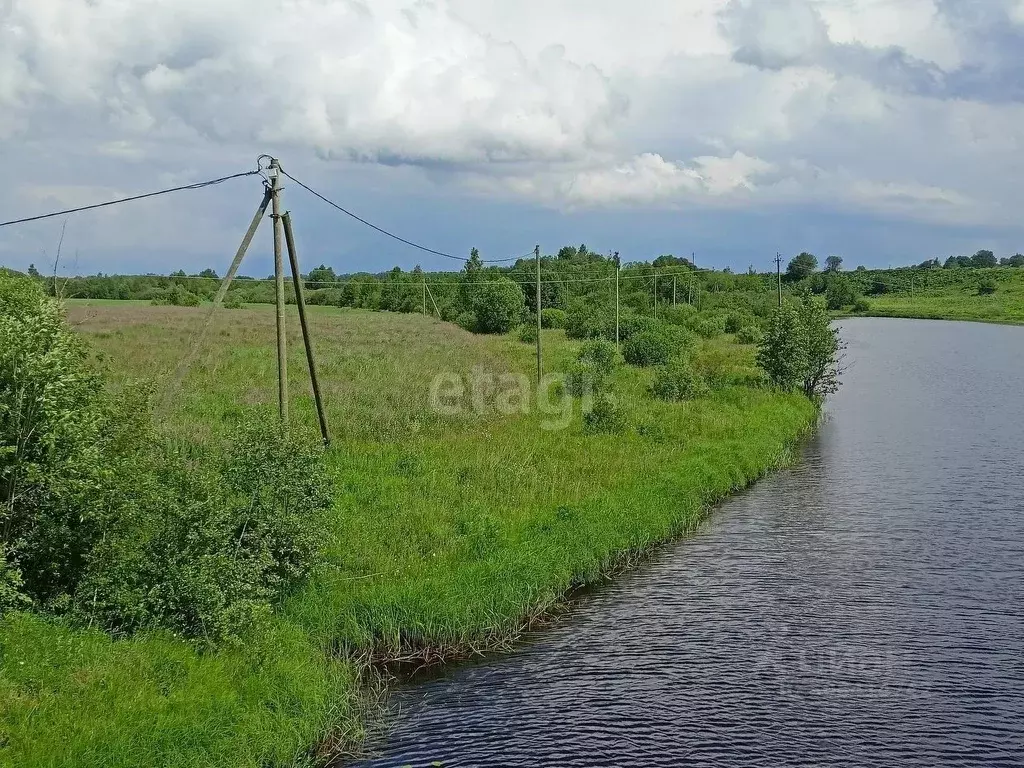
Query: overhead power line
pixel 198 185
pixel 392 235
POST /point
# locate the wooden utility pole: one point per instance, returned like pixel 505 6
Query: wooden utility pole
pixel 300 301
pixel 778 272
pixel 616 298
pixel 673 290
pixel 655 294
pixel 240 254
pixel 282 357
pixel 536 253
pixel 424 294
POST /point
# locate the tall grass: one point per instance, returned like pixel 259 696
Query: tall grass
pixel 454 532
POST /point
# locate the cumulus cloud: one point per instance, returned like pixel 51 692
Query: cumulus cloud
pixel 907 108
pixel 389 81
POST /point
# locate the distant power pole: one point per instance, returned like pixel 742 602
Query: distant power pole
pixel 673 290
pixel 536 253
pixel 778 272
pixel 655 294
pixel 617 298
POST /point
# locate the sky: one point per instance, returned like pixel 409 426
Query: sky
pixel 884 131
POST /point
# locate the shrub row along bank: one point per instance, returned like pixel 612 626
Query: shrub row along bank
pixel 438 542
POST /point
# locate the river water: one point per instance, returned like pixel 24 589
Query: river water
pixel 865 607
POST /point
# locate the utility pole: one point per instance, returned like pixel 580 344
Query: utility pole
pixel 536 253
pixel 616 299
pixel 778 272
pixel 282 358
pixel 424 294
pixel 673 290
pixel 300 302
pixel 655 294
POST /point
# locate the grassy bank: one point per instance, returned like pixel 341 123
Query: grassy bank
pixel 959 300
pixel 452 530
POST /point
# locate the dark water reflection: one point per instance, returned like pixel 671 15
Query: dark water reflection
pixel 863 608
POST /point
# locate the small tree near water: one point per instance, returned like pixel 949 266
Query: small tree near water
pixel 801 349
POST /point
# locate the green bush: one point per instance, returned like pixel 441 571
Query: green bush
pixel 680 314
pixel 802 349
pixel 656 345
pixel 708 326
pixel 861 305
pixel 677 381
pixel 584 378
pixel 106 521
pixel 632 325
pixel 839 293
pixel 601 353
pixel 987 286
pixel 234 301
pixel 204 547
pixel 527 333
pixel 466 320
pixel 749 334
pixel 553 318
pixel 498 306
pixel 734 321
pixel 604 417
pixel 586 321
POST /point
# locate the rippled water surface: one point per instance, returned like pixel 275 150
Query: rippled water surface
pixel 865 607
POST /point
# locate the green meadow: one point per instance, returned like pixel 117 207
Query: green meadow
pixel 453 530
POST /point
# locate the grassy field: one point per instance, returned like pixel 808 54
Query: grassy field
pixel 453 530
pixel 955 302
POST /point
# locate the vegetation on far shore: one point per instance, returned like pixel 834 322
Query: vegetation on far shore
pixel 450 530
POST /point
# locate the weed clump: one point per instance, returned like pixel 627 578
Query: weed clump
pixel 604 417
pixel 656 345
pixel 678 381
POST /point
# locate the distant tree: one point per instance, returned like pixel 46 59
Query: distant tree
pixel 32 271
pixel 1017 260
pixel 833 263
pixel 861 268
pixel 471 273
pixel 668 260
pixel 801 266
pixel 965 261
pixel 567 253
pixel 840 292
pixel 181 273
pixel 987 287
pixel 208 273
pixel 930 264
pixel 984 259
pixel 322 274
pixel 498 306
pixel 782 353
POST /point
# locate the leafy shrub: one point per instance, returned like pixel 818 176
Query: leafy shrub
pixel 987 286
pixel 498 306
pixel 652 347
pixel 584 378
pixel 106 521
pixel 585 321
pixel 204 548
pixel 601 353
pixel 466 320
pixel 234 301
pixel 749 334
pixel 802 349
pixel 839 293
pixel 677 381
pixel 879 286
pixel 604 417
pixel 553 318
pixel 708 326
pixel 632 325
pixel 680 314
pixel 861 305
pixel 527 333
pixel 734 321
